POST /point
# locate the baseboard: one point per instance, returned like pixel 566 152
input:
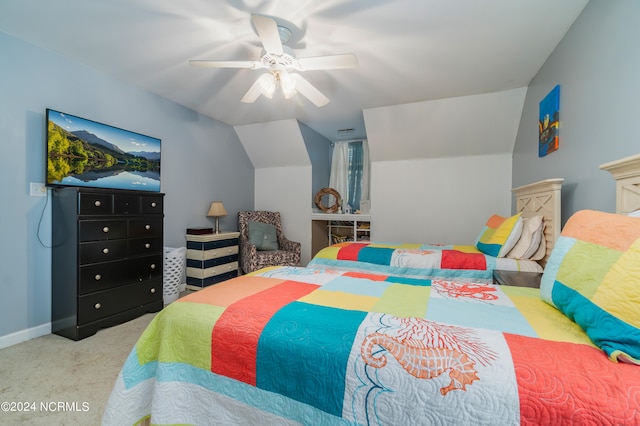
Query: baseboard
pixel 24 335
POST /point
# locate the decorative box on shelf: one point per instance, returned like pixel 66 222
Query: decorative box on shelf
pixel 199 231
pixel 211 258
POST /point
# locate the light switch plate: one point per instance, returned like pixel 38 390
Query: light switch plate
pixel 37 189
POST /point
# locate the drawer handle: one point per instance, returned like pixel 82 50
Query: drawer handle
pixel 147 227
pixel 98 277
pixel 153 290
pixel 105 229
pixel 97 203
pixel 147 245
pixel 153 266
pixel 105 250
pixel 153 204
pixel 97 306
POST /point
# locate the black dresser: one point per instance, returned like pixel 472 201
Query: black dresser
pixel 107 258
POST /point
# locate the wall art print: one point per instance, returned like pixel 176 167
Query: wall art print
pixel 549 123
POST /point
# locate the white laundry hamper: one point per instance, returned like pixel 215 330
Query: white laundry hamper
pixel 174 264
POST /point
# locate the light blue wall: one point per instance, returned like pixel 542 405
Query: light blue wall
pixel 319 149
pixel 202 160
pixel 597 66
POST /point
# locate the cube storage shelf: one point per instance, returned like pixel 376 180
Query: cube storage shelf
pixel 329 228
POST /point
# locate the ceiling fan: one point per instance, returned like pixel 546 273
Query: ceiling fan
pixel 282 66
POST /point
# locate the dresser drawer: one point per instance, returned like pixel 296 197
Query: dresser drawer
pixel 91 203
pixel 144 246
pixel 203 255
pixel 101 304
pixel 94 230
pixel 102 251
pixel 126 204
pixel 198 283
pixel 147 227
pixel 151 204
pixel 209 245
pixel 210 263
pixel 210 272
pixel 102 276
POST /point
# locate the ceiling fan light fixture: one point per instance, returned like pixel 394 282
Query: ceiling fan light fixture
pixel 267 82
pixel 278 59
pixel 287 84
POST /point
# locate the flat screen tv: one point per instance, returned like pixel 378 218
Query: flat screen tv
pixel 86 153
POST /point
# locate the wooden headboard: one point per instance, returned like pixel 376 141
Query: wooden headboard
pixel 542 199
pixel 626 172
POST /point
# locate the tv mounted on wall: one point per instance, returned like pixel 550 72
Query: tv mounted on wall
pixel 86 153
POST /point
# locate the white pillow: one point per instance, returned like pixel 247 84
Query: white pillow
pixel 542 250
pixel 635 213
pixel 530 238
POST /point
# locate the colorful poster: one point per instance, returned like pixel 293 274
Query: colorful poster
pixel 549 123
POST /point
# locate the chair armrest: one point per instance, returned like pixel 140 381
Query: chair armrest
pixel 246 246
pixel 247 254
pixel 289 245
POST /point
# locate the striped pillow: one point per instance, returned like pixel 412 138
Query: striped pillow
pixel 499 235
pixel 593 277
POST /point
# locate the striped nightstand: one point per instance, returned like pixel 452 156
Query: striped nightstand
pixel 211 258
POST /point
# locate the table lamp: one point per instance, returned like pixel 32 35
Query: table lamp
pixel 216 210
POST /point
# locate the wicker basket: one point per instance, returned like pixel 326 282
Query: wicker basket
pixel 174 262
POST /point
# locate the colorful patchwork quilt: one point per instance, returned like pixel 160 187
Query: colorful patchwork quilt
pixel 602 296
pixel 291 345
pixel 450 262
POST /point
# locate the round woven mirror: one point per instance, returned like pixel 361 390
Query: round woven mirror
pixel 323 198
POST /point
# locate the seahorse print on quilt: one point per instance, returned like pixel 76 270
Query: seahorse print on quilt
pixel 426 350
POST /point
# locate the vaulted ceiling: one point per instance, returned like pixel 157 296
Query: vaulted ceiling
pixel 408 50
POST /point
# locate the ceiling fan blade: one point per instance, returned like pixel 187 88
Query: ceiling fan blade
pixel 226 64
pixel 309 91
pixel 267 30
pixel 252 94
pixel 347 60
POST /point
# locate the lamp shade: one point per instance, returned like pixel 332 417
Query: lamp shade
pixel 217 209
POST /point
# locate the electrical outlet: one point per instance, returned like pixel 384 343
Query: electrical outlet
pixel 37 189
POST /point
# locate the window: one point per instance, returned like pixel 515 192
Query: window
pixel 350 172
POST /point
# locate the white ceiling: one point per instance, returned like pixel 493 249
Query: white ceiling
pixel 409 50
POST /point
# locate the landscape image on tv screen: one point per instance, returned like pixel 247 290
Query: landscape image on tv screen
pixel 82 152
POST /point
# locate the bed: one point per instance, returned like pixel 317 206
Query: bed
pixel 299 345
pixel 539 201
pixel 294 345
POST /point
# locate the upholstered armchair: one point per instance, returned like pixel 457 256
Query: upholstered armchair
pixel 276 250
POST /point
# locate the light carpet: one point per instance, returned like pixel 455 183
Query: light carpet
pixel 52 380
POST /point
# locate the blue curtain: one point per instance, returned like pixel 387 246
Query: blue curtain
pixel 355 174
